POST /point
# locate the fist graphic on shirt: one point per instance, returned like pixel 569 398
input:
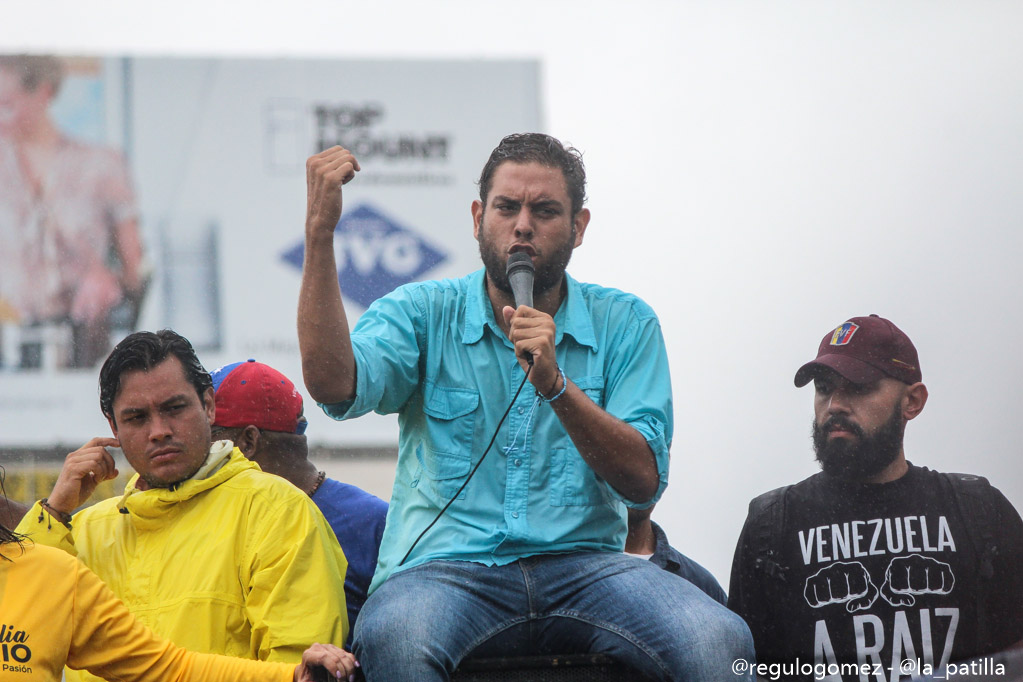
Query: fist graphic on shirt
pixel 915 574
pixel 841 583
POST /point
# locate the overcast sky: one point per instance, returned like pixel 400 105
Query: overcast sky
pixel 759 172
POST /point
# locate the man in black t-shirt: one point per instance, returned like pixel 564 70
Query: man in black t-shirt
pixel 875 568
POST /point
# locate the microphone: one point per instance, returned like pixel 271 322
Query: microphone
pixel 520 277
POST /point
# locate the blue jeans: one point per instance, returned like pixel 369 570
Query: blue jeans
pixel 421 622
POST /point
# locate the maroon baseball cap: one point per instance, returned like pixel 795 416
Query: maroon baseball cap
pixel 257 394
pixel 864 350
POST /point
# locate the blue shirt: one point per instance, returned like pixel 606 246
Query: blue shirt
pixel 674 561
pixel 357 519
pixel 433 353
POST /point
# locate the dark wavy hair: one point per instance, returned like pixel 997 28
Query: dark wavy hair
pixel 8 536
pixel 145 350
pixel 544 150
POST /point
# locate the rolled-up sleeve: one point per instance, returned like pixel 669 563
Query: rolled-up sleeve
pixel 638 391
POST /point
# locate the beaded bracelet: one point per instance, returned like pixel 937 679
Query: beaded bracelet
pixel 564 385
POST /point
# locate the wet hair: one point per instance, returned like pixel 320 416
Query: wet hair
pixel 146 350
pixel 8 536
pixel 34 70
pixel 544 150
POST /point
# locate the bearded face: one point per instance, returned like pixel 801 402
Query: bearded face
pixel 863 456
pixel 549 264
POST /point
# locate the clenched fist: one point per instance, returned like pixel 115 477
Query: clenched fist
pixel 325 173
pixel 915 574
pixel 841 583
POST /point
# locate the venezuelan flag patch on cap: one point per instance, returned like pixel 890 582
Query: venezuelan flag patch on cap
pixel 844 333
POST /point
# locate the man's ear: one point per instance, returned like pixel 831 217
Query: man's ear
pixel 113 426
pixel 914 400
pixel 581 220
pixel 248 441
pixel 477 218
pixel 209 404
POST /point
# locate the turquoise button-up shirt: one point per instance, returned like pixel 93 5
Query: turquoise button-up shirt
pixel 433 353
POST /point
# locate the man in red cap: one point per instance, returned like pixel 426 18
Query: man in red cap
pixel 876 568
pixel 259 409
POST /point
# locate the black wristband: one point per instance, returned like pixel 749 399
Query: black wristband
pixel 63 517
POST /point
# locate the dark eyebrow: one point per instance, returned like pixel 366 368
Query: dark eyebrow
pixel 173 399
pixel 132 411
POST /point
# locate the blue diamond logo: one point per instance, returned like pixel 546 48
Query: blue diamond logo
pixel 375 254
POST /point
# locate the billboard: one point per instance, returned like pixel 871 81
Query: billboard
pixel 183 206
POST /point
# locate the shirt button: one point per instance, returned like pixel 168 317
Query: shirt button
pixel 515 515
pixel 521 410
pixel 518 462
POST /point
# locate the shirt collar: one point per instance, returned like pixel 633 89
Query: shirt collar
pixel 478 311
pixel 572 317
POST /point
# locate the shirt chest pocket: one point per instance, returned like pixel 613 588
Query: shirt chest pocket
pixel 445 452
pixel 573 481
pixel 593 387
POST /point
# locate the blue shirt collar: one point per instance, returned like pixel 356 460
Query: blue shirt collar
pixel 571 318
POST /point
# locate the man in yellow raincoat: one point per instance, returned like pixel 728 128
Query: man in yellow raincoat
pixel 203 547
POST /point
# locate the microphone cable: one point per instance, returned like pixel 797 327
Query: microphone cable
pixel 469 477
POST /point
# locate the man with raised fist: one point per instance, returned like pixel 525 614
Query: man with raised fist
pixel 875 568
pixel 517 548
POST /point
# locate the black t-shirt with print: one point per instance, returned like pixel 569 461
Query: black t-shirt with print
pixel 879 574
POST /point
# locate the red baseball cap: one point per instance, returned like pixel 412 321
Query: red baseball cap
pixel 864 350
pixel 257 394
